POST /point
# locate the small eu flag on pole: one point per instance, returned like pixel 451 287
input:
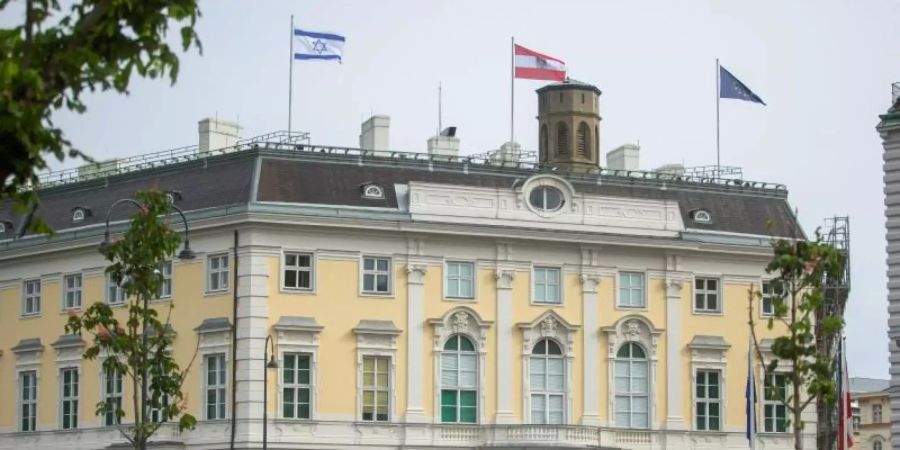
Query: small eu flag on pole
pixel 731 87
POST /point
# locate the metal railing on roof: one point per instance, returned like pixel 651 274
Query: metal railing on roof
pixel 297 144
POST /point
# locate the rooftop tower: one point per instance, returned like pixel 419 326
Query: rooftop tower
pixel 569 125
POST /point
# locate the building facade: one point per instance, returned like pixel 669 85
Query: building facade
pixel 871 413
pixel 414 300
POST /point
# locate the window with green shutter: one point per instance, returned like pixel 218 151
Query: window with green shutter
pixel 459 385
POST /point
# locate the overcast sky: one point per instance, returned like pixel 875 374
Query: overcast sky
pixel 823 67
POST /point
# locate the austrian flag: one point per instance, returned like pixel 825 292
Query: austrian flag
pixel 538 66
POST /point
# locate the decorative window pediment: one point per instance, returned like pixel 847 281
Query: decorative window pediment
pixel 460 320
pixel 469 329
pixel 633 328
pixel 708 349
pixel 548 325
pixel 215 334
pixel 68 348
pixel 376 334
pixel 28 352
pixel 298 330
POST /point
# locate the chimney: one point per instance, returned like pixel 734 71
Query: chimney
pixel 373 134
pixel 444 144
pixel 217 134
pixel 624 157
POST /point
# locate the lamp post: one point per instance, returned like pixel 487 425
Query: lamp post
pixel 185 253
pixel 271 364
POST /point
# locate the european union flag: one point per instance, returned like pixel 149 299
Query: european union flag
pixel 731 87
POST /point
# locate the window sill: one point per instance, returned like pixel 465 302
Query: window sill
pixel 218 293
pixel 297 291
pixel 29 317
pixel 388 295
pixel 459 299
pixel 708 313
pixel 632 308
pixel 537 303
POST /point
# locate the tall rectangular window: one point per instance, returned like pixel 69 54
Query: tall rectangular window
pixel 376 389
pixel 631 289
pixel 72 292
pixel 708 400
pixel 546 285
pixel 460 279
pixel 31 301
pixel 876 413
pixel 28 401
pixel 216 384
pixel 459 381
pixel 376 275
pixel 115 294
pixel 69 397
pixel 769 296
pixel 774 411
pixel 706 295
pixel 298 271
pixel 112 394
pixel 297 386
pixel 217 273
pixel 165 288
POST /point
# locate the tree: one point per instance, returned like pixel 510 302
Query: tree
pixel 54 56
pixel 139 348
pixel 797 292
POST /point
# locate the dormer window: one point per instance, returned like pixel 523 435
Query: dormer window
pixel 5 226
pixel 372 191
pixel 79 213
pixel 701 216
pixel 173 196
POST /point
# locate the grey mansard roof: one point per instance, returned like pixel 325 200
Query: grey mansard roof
pixel 230 183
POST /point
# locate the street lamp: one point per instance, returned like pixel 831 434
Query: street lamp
pixel 272 364
pixel 186 253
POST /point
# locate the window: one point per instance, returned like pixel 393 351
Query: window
pixel 701 216
pixel 771 294
pixel 546 198
pixel 72 292
pixel 28 401
pixel 876 445
pixel 115 294
pixel 632 387
pixel 112 393
pixel 376 275
pixel 165 270
pixel 296 378
pixel 69 405
pixel 373 191
pixel 376 389
pixel 217 273
pixel 546 285
pixel 78 215
pixel 562 139
pixel 159 414
pixel 706 295
pixel 459 372
pixel 708 402
pixel 876 413
pixel 631 289
pixel 584 139
pixel 31 304
pixel 215 385
pixel 547 383
pixel 460 279
pixel 774 412
pixel 298 271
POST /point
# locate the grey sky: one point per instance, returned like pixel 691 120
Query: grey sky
pixel 824 68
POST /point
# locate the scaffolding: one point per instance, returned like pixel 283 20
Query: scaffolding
pixel 836 291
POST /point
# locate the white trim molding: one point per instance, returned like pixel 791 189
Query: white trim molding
pixel 297 334
pixel 548 325
pixel 638 329
pixel 377 338
pixel 709 353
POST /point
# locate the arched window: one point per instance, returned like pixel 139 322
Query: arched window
pixel 876 445
pixel 632 387
pixel 547 382
pixel 459 381
pixel 562 139
pixel 584 140
pixel 544 143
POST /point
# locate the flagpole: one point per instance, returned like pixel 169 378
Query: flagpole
pixel 718 100
pixel 291 77
pixel 512 90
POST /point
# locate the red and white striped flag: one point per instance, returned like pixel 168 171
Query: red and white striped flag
pixel 538 66
pixel 845 423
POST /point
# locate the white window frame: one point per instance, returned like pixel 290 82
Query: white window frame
pixel 775 403
pixel 222 273
pixel 373 190
pixel 559 285
pixel 108 396
pixel 619 287
pixel 76 291
pixel 546 393
pixel 296 386
pixel 117 299
pixel 706 293
pixel 880 417
pixel 476 388
pixel 297 269
pixel 466 321
pixel 21 402
pixel 63 399
pixel 649 391
pixel 167 270
pixel 34 297
pixel 220 387
pixel 459 279
pixel 719 400
pixel 78 215
pixel 376 273
pixel 764 295
pixel 388 389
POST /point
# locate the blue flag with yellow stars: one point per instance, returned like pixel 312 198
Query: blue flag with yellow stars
pixel 731 87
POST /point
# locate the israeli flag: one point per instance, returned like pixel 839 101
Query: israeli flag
pixel 313 45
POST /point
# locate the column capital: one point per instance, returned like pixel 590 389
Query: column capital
pixel 589 282
pixel 504 278
pixel 673 287
pixel 415 273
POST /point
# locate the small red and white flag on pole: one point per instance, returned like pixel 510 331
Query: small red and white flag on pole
pixel 845 423
pixel 538 66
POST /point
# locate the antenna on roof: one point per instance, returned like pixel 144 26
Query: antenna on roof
pixel 439 109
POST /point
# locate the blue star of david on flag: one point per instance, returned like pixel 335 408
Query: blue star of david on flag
pixel 731 87
pixel 312 45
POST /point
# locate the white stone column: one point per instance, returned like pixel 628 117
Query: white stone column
pixel 504 346
pixel 415 328
pixel 674 363
pixel 252 328
pixel 591 325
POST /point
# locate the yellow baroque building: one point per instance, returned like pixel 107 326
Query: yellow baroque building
pixel 414 300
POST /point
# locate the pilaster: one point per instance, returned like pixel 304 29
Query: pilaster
pixel 591 391
pixel 674 363
pixel 415 329
pixel 504 279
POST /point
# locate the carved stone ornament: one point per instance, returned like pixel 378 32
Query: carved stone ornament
pixel 673 287
pixel 632 330
pixel 461 322
pixel 548 326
